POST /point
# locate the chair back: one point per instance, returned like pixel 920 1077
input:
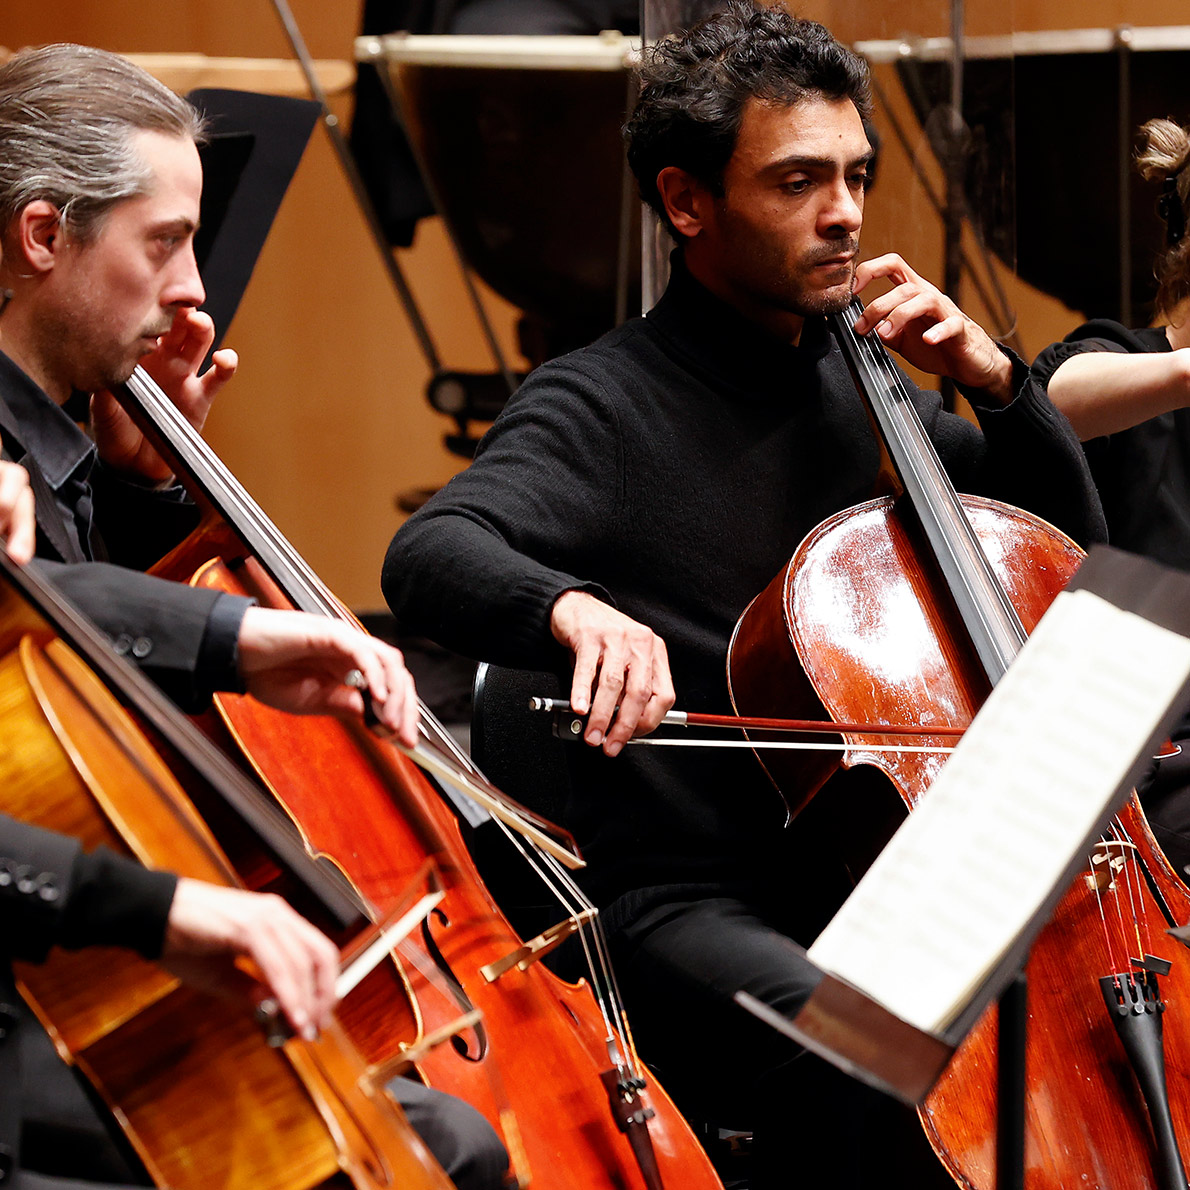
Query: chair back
pixel 518 752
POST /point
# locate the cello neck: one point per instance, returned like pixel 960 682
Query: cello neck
pixel 995 629
pixel 212 481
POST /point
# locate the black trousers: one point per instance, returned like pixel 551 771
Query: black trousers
pixel 680 955
pixel 66 1143
pixel 461 1139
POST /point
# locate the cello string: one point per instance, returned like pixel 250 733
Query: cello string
pixel 1121 880
pixel 566 891
pixel 533 851
pixel 1115 940
pixel 609 994
pixel 575 906
pixel 948 529
pixel 1135 921
pixel 1131 921
pixel 195 451
pixel 924 458
pixel 603 971
pixel 919 457
pixel 1093 880
pixel 1144 939
pixel 593 940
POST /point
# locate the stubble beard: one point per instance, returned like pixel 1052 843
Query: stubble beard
pixel 827 301
pixel 121 362
pixel 810 301
pixel 86 352
pixel 103 364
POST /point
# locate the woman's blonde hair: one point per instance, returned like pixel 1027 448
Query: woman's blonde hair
pixel 1162 157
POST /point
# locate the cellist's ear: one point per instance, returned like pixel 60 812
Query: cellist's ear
pixel 685 200
pixel 36 238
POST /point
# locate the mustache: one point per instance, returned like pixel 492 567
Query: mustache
pixel 847 246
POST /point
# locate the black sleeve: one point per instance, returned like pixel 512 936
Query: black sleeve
pixel 184 638
pixel 544 484
pixel 1100 334
pixel 117 902
pixel 139 525
pixel 52 893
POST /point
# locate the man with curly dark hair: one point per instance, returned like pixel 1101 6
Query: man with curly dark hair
pixel 634 496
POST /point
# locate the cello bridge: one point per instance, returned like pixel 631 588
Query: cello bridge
pixel 1107 861
pixel 529 952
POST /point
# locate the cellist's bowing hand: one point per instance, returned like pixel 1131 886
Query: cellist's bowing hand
pixel 919 322
pixel 310 665
pixel 618 663
pixel 18 523
pixel 174 364
pixel 209 926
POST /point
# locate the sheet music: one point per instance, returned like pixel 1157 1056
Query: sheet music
pixel 1030 778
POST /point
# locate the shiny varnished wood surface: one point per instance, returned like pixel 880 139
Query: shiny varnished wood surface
pixel 904 658
pixel 202 1097
pixel 1086 1124
pixel 533 1064
pixel 859 599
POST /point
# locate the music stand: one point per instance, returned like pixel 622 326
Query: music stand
pixel 254 147
pixel 866 1015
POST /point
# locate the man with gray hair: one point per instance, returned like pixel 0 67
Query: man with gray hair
pixel 100 185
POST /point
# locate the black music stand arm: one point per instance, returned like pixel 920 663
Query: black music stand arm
pixel 1013 1025
pixel 367 207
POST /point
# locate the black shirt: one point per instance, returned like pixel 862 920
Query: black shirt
pixel 62 452
pixel 1143 472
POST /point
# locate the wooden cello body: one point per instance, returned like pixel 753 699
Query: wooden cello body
pixel 866 624
pixel 203 1098
pixel 552 1067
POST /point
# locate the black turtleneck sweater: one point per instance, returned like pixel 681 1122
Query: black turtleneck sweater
pixel 672 468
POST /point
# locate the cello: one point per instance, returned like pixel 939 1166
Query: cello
pixel 954 583
pixel 194 1082
pixel 552 1068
